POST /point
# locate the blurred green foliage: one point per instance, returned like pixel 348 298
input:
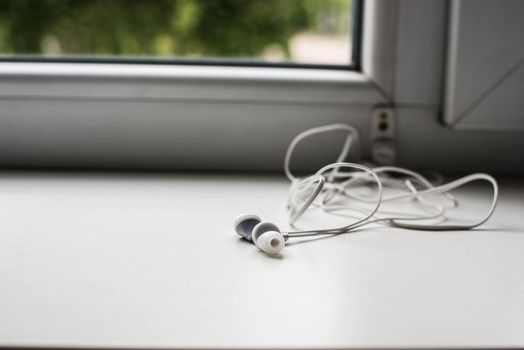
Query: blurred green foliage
pixel 189 28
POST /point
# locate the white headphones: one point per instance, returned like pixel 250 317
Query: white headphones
pixel 265 235
pixel 359 189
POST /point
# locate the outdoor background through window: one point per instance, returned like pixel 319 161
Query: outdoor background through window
pixel 296 31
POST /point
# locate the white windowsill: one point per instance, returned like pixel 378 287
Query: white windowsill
pixel 152 261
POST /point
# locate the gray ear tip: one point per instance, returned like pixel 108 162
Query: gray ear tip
pixel 245 223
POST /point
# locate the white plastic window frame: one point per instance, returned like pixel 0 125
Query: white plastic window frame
pixel 411 66
pixel 108 116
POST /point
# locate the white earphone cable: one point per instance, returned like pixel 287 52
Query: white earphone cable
pixel 341 180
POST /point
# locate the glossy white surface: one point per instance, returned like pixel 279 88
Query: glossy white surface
pixel 153 261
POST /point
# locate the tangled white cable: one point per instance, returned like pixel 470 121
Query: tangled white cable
pixel 349 186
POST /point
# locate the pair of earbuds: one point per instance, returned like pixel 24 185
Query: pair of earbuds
pixel 265 235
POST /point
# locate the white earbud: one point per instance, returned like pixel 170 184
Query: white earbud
pixel 268 238
pixel 265 235
pixel 271 242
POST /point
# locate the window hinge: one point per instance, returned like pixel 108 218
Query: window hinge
pixel 382 138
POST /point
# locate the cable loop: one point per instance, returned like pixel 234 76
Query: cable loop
pixel 342 185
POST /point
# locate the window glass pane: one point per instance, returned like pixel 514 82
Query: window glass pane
pixel 296 31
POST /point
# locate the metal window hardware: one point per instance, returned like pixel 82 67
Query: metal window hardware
pixel 382 136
